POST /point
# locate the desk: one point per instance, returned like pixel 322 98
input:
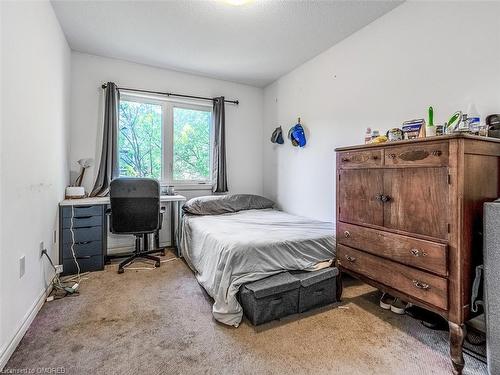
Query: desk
pixel 90 227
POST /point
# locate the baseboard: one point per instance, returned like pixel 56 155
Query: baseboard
pixel 6 352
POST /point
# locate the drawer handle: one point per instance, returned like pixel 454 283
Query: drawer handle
pixel 375 157
pixel 82 217
pixel 436 153
pixel 392 156
pixel 385 198
pixel 345 160
pixel 347 234
pixel 84 257
pixel 421 285
pixel 350 258
pixel 417 252
pixel 82 242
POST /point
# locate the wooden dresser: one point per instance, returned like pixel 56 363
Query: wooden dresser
pixel 409 220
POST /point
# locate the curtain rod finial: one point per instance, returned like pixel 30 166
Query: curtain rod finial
pixel 104 86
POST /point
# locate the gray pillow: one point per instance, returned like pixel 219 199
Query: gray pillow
pixel 222 204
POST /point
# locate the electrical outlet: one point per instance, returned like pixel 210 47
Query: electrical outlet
pixel 42 248
pixel 59 268
pixel 22 266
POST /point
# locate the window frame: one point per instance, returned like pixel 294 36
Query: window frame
pixel 167 141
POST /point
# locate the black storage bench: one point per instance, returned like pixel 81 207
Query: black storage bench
pixel 288 293
pixel 318 288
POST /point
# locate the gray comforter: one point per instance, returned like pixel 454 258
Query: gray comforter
pixel 229 250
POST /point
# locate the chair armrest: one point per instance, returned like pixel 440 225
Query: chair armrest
pixel 108 211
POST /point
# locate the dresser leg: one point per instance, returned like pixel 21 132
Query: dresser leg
pixel 457 336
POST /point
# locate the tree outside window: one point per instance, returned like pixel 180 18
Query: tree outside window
pixel 145 142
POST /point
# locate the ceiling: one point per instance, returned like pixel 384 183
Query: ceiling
pixel 254 43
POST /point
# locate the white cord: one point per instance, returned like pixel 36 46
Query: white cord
pixel 73 243
pixel 148 268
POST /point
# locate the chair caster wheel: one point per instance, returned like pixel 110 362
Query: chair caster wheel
pixel 163 253
pixel 157 264
pixel 120 270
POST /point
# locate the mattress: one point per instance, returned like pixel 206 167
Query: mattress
pixel 229 250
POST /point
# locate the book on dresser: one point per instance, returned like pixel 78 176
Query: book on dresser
pixel 409 220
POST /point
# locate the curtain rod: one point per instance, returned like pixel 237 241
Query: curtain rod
pixel 236 102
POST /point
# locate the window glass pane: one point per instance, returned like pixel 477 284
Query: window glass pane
pixel 139 139
pixel 191 144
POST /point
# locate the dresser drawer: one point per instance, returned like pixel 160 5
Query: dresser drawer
pixel 426 255
pixel 83 221
pixel 83 234
pixel 82 211
pixel 417 284
pixel 433 154
pixel 87 264
pixel 82 249
pixel 356 159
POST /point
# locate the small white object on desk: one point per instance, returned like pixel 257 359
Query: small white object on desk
pixel 75 192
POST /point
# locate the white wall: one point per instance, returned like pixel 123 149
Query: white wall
pixel 243 122
pixel 34 147
pixel 442 54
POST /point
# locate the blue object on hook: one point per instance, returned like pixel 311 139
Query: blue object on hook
pixel 297 135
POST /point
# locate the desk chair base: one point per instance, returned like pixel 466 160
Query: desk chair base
pixel 141 254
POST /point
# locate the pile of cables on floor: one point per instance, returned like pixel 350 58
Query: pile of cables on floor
pixel 65 286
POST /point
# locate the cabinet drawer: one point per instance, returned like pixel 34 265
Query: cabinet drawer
pixel 83 221
pixel 356 159
pixel 427 255
pixel 82 249
pixel 83 234
pixel 434 154
pixel 87 264
pixel 417 284
pixel 82 211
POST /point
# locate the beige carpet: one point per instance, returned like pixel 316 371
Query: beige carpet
pixel 160 322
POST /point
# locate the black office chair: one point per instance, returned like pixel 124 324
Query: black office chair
pixel 135 209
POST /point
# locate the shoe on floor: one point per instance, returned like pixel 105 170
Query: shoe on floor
pixel 386 301
pixel 399 306
pixel 428 318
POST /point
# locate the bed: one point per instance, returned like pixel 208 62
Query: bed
pixel 230 245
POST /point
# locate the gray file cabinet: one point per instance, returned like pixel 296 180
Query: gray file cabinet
pixel 90 237
pixel 492 283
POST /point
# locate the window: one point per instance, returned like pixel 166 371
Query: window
pixel 140 140
pixel 191 144
pixel 165 140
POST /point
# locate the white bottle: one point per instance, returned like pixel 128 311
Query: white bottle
pixel 473 119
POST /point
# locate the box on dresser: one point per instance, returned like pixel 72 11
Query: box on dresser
pixel 409 220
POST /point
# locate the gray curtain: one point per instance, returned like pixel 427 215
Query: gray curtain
pixel 108 165
pixel 219 170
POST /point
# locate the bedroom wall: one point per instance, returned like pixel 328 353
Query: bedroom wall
pixel 35 72
pixel 243 122
pixel 443 54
